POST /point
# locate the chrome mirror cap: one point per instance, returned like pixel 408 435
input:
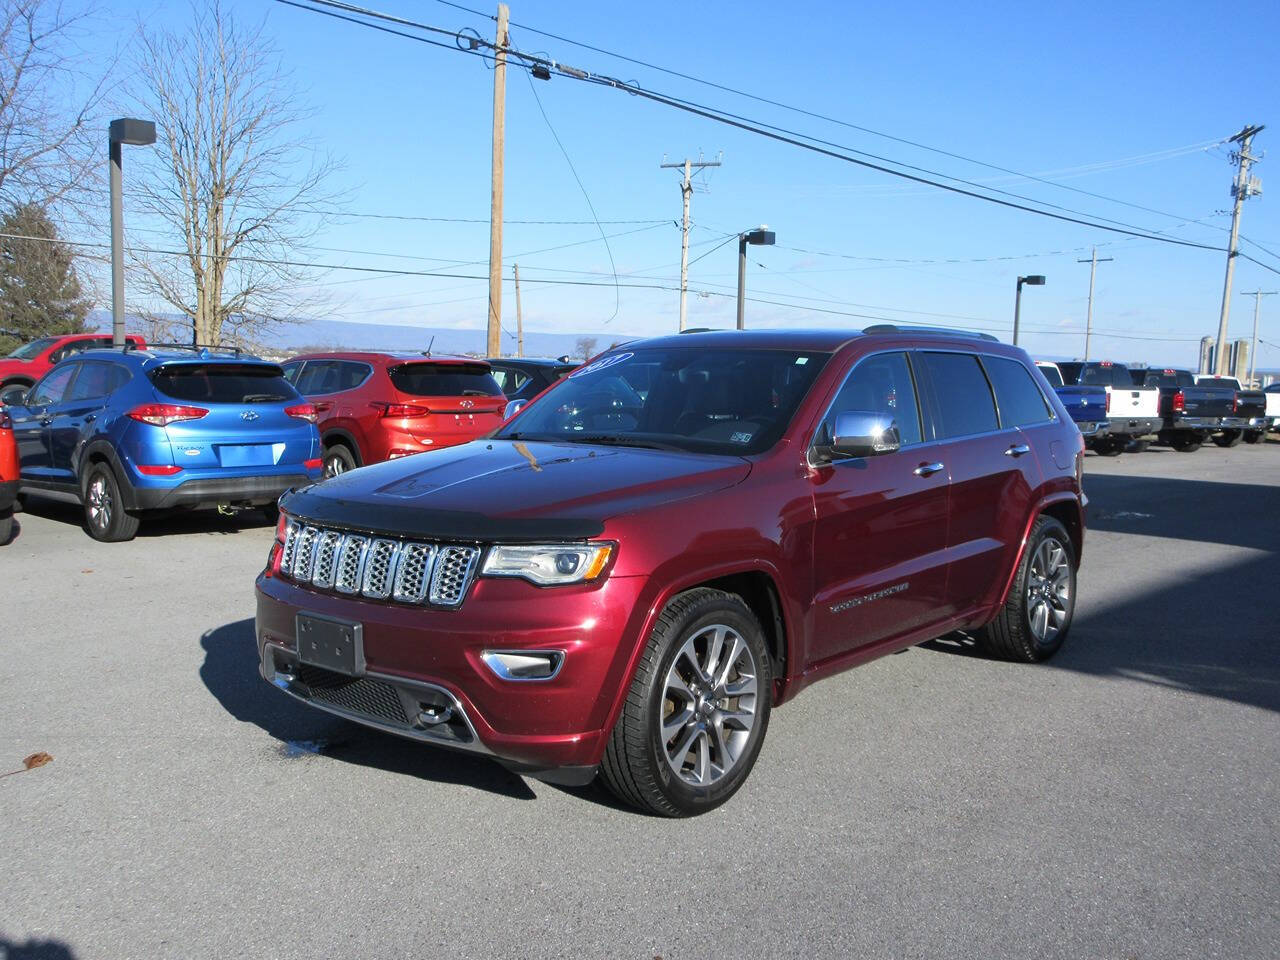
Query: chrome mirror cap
pixel 863 433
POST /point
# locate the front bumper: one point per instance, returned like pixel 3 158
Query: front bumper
pixel 209 492
pixel 420 662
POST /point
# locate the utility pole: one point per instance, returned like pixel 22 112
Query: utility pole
pixel 686 191
pixel 1243 188
pixel 515 268
pixel 1257 303
pixel 494 340
pixel 1093 269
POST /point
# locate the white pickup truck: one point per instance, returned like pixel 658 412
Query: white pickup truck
pixel 1273 405
pixel 1133 411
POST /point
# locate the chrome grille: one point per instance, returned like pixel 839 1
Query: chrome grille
pixel 454 567
pixel 413 573
pixel 379 568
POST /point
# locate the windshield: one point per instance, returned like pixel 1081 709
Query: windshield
pixel 727 401
pixel 33 349
pixel 1051 374
pixel 445 380
pixel 223 383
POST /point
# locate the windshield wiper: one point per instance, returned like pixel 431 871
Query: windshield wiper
pixel 620 440
pixel 475 393
pixel 262 398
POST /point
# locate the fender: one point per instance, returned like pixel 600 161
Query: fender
pixel 1047 501
pixel 613 692
pixel 348 439
pixel 103 448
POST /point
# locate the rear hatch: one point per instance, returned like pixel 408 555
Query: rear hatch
pixel 246 427
pixel 446 402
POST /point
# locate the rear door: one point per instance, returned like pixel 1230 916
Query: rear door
pixel 447 402
pixel 246 429
pixel 31 422
pixel 880 522
pixel 990 466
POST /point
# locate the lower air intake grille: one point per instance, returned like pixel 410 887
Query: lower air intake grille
pixel 362 695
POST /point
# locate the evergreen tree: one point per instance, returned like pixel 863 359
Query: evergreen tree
pixel 40 293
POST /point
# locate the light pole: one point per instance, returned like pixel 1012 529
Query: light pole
pixel 761 236
pixel 139 133
pixel 1035 280
pixel 1257 305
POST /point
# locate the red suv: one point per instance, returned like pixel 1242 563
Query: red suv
pixel 381 406
pixel 22 368
pixel 8 476
pixel 684 533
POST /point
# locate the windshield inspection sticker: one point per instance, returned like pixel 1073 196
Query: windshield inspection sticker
pixel 602 364
pixel 740 437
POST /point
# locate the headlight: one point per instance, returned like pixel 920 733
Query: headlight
pixel 548 564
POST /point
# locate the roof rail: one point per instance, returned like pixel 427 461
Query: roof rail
pixel 702 330
pixel 203 348
pixel 929 331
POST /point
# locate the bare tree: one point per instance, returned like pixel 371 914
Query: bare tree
pixel 585 347
pixel 239 186
pixel 49 105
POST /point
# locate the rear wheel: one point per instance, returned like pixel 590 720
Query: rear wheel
pixel 104 513
pixel 1037 614
pixel 1228 438
pixel 697 710
pixel 1187 442
pixel 338 459
pixel 1137 446
pixel 1253 436
pixel 1110 446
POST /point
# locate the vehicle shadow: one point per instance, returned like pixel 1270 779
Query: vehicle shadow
pixel 35 950
pixel 153 525
pixel 230 672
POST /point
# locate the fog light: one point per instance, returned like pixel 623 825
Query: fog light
pixel 524 664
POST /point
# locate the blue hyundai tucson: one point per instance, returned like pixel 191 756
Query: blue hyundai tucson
pixel 128 431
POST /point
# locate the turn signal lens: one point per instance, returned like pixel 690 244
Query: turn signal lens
pixel 163 414
pixel 304 411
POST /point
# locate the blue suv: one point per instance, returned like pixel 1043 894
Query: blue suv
pixel 124 432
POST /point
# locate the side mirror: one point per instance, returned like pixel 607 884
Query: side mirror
pixel 512 408
pixel 862 433
pixel 14 397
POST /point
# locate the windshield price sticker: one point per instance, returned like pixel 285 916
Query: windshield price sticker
pixel 602 364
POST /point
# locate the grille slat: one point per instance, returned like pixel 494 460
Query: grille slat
pixel 379 568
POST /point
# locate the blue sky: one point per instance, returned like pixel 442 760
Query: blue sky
pixel 1060 91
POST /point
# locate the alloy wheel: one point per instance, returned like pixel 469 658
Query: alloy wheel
pixel 1049 590
pixel 334 465
pixel 709 705
pixel 100 505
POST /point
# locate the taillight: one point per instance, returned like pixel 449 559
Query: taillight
pixel 163 414
pixel 400 411
pixel 1235 403
pixel 1179 402
pixel 158 469
pixel 1108 408
pixel 304 411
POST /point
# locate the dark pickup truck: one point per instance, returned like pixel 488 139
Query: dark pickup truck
pixel 1248 418
pixel 1087 404
pixel 1191 413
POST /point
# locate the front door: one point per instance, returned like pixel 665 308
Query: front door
pixel 31 421
pixel 880 523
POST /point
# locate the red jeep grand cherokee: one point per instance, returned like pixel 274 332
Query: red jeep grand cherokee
pixel 632 572
pixel 380 406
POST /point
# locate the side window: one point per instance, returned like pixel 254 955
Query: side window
pixel 509 380
pixel 879 384
pixel 53 386
pixel 319 376
pixel 1020 400
pixel 963 396
pixel 353 374
pixel 93 382
pixel 291 371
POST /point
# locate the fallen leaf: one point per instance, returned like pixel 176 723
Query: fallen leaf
pixel 37 760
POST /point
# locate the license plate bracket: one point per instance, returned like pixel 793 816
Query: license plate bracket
pixel 333 644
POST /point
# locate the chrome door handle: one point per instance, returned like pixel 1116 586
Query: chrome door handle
pixel 927 469
pixel 45 421
pixel 1017 450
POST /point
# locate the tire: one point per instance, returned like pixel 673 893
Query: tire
pixel 104 514
pixel 338 459
pixel 1015 633
pixel 1137 446
pixel 6 527
pixel 1253 436
pixel 1186 443
pixel 271 513
pixel 1109 446
pixel 1228 438
pixel 649 770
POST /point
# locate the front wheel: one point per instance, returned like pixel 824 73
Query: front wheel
pixel 697 710
pixel 1037 614
pixel 104 513
pixel 1228 438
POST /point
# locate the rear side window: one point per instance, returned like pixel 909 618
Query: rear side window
pixel 444 380
pixel 291 370
pixel 509 380
pixel 223 383
pixel 97 380
pixel 879 384
pixel 1020 400
pixel 963 396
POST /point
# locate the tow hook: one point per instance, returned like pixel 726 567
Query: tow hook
pixel 227 510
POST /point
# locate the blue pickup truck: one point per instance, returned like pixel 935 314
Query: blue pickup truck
pixel 1086 404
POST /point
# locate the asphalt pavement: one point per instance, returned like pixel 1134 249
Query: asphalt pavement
pixel 1121 801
